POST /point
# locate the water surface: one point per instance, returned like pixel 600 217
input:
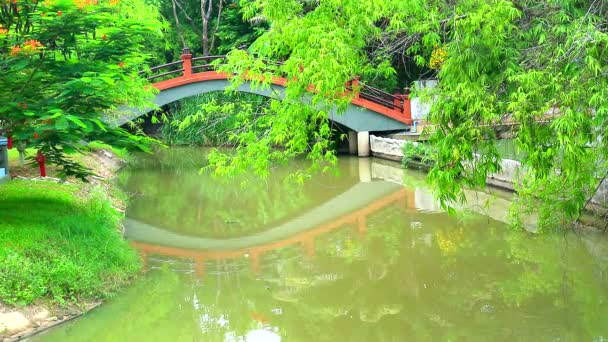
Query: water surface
pixel 365 255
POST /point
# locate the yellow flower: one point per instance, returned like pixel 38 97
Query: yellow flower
pixel 438 57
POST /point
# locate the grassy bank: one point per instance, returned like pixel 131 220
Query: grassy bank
pixel 59 242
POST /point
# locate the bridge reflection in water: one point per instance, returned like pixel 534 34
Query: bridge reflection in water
pixel 305 238
pixel 380 186
pixel 348 208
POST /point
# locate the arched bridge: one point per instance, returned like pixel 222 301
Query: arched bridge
pixel 370 109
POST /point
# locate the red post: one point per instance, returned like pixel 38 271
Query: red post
pixel 41 160
pixel 9 142
pixel 397 100
pixel 407 109
pixel 144 261
pixel 407 106
pixel 355 85
pixel 186 62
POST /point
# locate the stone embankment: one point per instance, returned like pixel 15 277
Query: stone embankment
pixel 19 323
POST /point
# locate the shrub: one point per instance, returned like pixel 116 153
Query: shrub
pixel 415 152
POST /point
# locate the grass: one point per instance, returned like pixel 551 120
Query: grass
pixel 59 243
pixel 121 153
pixel 13 154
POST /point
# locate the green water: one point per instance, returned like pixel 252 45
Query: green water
pixel 356 256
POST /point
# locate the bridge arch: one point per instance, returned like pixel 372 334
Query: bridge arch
pixel 370 110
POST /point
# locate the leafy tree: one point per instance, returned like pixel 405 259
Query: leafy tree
pixel 66 66
pixel 539 66
pixel 321 45
pixel 208 26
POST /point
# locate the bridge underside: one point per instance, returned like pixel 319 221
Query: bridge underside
pixel 356 118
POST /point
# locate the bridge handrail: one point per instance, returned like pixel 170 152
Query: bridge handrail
pixel 204 58
pixel 176 71
pixel 155 68
pixel 381 97
pixel 187 65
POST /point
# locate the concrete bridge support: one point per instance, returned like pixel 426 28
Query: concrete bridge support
pixel 352 142
pixel 363 144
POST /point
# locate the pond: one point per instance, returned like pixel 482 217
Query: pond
pixel 364 254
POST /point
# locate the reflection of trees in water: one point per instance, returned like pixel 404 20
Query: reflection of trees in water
pixel 176 197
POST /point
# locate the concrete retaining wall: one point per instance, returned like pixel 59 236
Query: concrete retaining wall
pixel 392 149
pixel 505 179
pixel 386 148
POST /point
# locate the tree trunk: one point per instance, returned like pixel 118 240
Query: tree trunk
pixel 217 25
pixel 177 27
pixel 206 6
pixel 21 149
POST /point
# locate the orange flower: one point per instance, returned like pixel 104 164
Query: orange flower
pixel 31 46
pixel 33 43
pixel 104 37
pixel 15 51
pixel 59 13
pixel 114 2
pixel 121 64
pixel 3 31
pixel 36 135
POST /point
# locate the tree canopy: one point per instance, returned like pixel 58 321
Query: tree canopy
pixel 68 64
pixel 540 66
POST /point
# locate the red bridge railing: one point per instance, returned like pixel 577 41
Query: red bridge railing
pixel 396 106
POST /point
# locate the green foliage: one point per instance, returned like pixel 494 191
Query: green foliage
pixel 499 60
pixel 529 61
pixel 321 46
pixel 66 65
pixel 418 152
pixel 209 119
pixel 507 149
pixel 234 32
pixel 68 250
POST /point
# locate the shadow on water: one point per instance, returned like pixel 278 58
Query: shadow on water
pixel 370 260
